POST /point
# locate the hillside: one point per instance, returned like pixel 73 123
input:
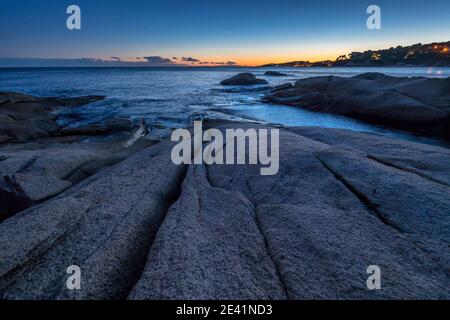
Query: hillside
pixel 432 54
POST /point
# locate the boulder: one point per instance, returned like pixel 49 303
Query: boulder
pixel 243 79
pixel 275 74
pixel 374 97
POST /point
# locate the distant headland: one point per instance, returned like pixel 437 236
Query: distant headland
pixel 433 54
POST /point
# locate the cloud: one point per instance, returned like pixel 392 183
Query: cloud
pixel 84 62
pixel 189 59
pixel 150 61
pixel 158 60
pixel 228 63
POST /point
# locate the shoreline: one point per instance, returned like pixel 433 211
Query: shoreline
pixel 109 199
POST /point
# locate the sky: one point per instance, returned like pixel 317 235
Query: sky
pixel 244 32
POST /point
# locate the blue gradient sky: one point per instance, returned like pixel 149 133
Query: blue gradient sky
pixel 246 31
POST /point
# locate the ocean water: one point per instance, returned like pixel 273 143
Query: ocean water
pixel 169 97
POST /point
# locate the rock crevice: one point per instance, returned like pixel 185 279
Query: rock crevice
pixel 145 228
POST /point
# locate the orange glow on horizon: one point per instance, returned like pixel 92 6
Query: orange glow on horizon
pixel 258 60
pixel 251 56
pixel 251 61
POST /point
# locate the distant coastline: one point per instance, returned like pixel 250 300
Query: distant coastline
pixel 436 54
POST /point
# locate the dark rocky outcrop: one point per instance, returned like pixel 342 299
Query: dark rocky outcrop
pixel 374 97
pixel 40 159
pixel 145 229
pixel 33 172
pixel 243 79
pixel 275 74
pixel 24 118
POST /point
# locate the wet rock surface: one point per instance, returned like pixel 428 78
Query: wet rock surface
pixel 147 229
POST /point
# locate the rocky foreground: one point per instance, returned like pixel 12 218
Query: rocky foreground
pixel 141 227
pixel 39 159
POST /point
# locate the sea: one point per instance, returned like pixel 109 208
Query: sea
pixel 172 97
